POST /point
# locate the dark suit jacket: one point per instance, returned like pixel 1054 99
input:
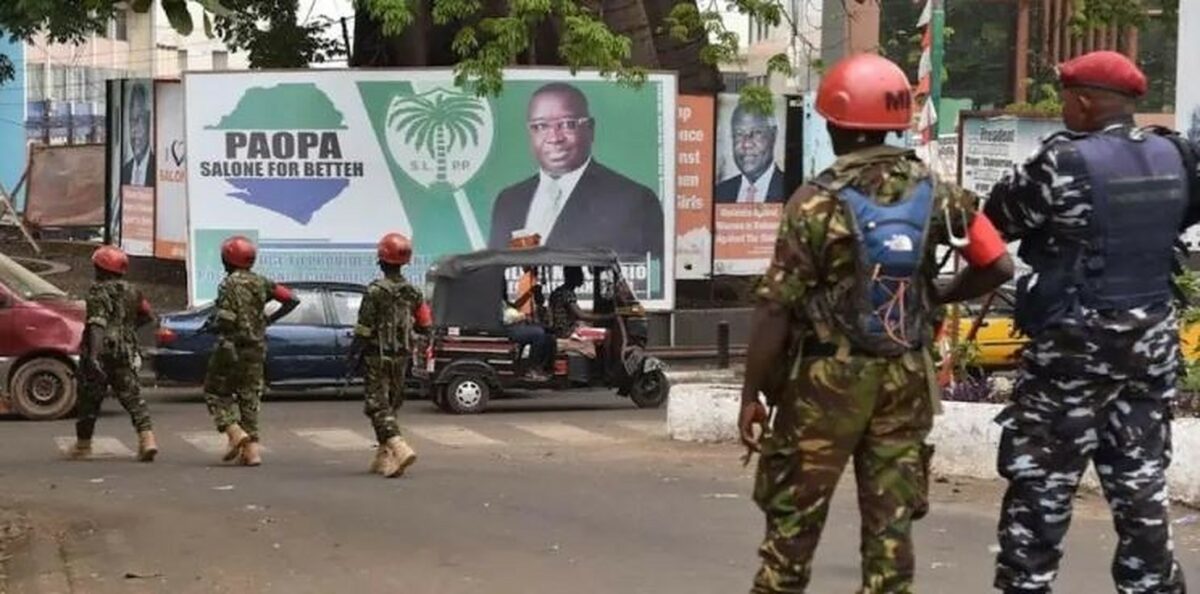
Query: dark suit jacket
pixel 727 191
pixel 606 209
pixel 151 173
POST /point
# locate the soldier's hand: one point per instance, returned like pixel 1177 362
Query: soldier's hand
pixel 752 413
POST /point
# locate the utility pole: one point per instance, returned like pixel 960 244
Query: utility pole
pixel 346 40
pixel 937 57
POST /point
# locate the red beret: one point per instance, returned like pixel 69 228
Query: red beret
pixel 1103 70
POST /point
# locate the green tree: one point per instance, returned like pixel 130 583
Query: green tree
pixel 273 35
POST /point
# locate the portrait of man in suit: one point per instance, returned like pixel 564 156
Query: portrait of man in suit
pixel 573 200
pixel 759 179
pixel 138 168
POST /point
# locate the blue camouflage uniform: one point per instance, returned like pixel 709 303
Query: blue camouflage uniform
pixel 1098 375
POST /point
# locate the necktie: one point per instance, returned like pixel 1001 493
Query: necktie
pixel 551 215
pixel 749 197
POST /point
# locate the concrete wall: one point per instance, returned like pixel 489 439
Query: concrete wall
pixel 12 116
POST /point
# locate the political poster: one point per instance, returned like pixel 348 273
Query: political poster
pixel 750 189
pixel 694 186
pixel 170 193
pixel 131 158
pixel 316 165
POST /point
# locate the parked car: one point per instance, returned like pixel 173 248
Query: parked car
pixel 305 349
pixel 41 330
pixel 1000 343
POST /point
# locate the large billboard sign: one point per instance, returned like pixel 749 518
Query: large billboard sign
pixel 316 165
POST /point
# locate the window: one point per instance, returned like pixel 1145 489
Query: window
pixel 310 312
pixel 35 81
pixel 345 307
pixel 120 26
pixel 182 61
pixel 220 60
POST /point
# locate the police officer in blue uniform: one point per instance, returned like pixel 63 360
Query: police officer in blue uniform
pixel 1097 210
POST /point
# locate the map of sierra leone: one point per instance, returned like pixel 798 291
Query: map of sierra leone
pixel 287 108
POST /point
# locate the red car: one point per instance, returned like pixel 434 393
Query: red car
pixel 41 329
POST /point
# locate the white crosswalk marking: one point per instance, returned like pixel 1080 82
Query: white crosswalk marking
pixel 102 447
pixel 563 432
pixel 342 440
pixel 452 435
pixel 210 442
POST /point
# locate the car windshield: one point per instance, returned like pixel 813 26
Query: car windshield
pixel 24 282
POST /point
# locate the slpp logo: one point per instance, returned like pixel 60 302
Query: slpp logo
pixel 283 151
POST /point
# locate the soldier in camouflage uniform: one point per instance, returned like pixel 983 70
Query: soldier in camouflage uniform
pixel 110 356
pixel 835 398
pixel 233 385
pixel 1096 210
pixel 389 313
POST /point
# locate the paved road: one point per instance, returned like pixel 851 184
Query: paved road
pixel 578 494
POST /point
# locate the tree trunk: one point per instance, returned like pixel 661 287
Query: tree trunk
pixel 439 144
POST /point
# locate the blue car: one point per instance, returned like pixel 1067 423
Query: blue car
pixel 305 349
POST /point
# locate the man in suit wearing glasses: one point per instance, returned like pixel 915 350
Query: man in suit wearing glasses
pixel 573 200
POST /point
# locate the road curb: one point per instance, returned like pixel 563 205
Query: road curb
pixel 965 436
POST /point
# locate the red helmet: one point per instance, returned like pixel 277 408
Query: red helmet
pixel 111 259
pixel 238 252
pixel 866 92
pixel 395 249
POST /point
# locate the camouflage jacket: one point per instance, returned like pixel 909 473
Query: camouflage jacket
pixel 240 314
pixel 113 309
pixel 1054 188
pixel 385 319
pixel 816 250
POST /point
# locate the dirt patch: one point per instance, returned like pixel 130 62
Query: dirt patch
pixel 14 528
pixel 163 282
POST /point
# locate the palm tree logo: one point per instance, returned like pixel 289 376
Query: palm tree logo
pixel 437 123
pixel 440 138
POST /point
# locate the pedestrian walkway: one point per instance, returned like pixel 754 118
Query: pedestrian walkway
pixel 356 439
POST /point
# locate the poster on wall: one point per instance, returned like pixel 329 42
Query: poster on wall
pixel 993 146
pixel 170 195
pixel 749 192
pixel 132 159
pixel 694 187
pixel 580 160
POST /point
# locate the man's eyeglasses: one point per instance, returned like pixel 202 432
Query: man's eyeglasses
pixel 560 125
pixel 755 134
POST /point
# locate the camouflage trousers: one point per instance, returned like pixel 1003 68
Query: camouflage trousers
pixel 1069 410
pixel 874 410
pixel 122 381
pixel 384 393
pixel 233 386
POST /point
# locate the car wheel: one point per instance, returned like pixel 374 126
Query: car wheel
pixel 43 389
pixel 467 395
pixel 650 389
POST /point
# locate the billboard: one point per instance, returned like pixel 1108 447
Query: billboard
pixel 1187 88
pixel 694 187
pixel 579 159
pixel 750 190
pixel 132 169
pixel 170 200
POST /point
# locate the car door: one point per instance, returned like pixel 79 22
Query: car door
pixel 302 346
pixel 345 304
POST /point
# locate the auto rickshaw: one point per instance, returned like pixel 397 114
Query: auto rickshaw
pixel 468 357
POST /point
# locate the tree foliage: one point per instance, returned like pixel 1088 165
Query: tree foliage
pixel 274 37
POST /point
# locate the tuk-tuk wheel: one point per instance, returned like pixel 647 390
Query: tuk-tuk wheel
pixel 650 389
pixel 466 395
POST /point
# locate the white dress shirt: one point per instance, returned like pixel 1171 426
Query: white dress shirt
pixel 549 199
pixel 761 187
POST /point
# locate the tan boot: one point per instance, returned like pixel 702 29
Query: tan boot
pixel 402 457
pixel 251 456
pixel 382 453
pixel 82 450
pixel 238 438
pixel 147 447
